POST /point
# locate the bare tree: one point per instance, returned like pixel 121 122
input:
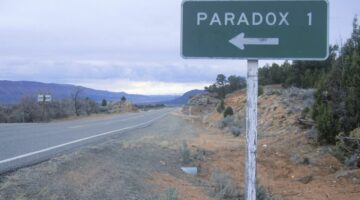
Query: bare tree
pixel 90 106
pixel 76 100
pixel 28 110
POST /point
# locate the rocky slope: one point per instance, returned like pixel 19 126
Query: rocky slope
pixel 290 164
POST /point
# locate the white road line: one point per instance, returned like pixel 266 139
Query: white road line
pixel 106 122
pixel 124 120
pixel 79 140
pixel 79 126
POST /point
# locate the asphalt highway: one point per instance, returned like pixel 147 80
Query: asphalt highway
pixel 29 143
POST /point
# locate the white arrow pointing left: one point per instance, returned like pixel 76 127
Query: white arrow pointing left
pixel 240 41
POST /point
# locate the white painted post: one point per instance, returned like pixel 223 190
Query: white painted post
pixel 251 129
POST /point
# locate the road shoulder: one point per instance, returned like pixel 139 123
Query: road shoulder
pixel 122 167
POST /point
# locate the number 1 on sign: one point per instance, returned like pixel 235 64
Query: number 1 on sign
pixel 310 18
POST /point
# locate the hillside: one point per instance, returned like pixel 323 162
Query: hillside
pixel 185 97
pixel 289 164
pixel 12 91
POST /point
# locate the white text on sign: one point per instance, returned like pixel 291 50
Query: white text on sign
pixel 253 19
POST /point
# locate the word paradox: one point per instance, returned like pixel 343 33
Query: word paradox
pixel 254 19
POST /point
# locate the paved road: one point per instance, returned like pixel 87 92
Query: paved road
pixel 26 144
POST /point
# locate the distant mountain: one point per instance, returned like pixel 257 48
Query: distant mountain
pixel 11 92
pixel 185 97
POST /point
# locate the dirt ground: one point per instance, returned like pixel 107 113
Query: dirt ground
pixel 145 164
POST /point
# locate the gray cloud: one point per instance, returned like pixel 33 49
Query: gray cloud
pixel 91 40
pixel 49 70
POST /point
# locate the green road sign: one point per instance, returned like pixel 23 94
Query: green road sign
pixel 255 29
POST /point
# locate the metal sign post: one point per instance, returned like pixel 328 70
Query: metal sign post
pixel 43 99
pixel 251 129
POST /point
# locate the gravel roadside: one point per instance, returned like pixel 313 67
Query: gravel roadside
pixel 117 168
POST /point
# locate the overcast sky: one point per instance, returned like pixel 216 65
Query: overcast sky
pixel 116 45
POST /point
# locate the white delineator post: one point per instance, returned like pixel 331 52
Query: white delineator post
pixel 251 129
